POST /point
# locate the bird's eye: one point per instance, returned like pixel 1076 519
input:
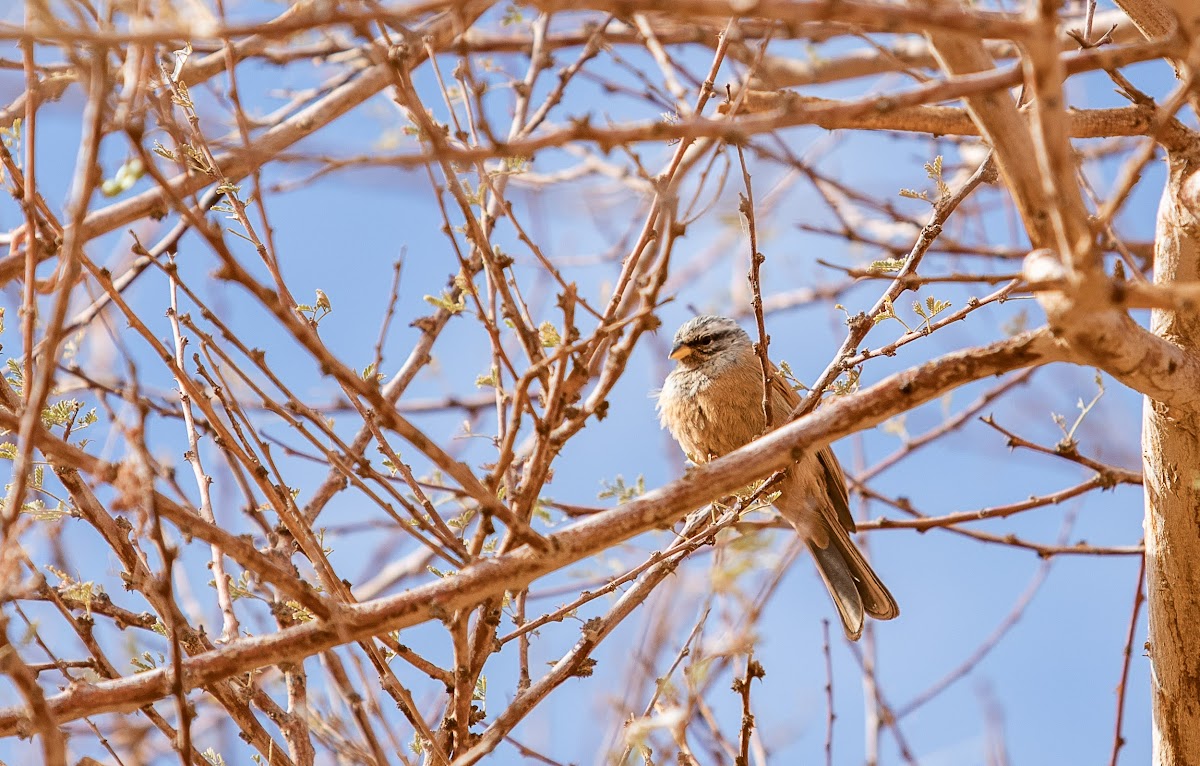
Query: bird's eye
pixel 704 341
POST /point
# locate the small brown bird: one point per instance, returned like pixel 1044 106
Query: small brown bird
pixel 712 404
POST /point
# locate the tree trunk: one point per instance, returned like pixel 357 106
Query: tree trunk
pixel 1171 458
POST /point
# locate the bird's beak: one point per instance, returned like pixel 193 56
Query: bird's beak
pixel 679 351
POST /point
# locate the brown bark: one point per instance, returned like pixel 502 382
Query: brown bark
pixel 1102 334
pixel 1151 17
pixel 1171 461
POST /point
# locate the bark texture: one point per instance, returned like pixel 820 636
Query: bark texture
pixel 1171 460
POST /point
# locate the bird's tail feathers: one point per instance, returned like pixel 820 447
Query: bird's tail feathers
pixel 877 600
pixel 852 583
pixel 842 587
pixel 855 588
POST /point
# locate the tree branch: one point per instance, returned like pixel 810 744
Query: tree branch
pixel 1104 336
pixel 491 577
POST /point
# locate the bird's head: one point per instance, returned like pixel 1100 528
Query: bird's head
pixel 708 337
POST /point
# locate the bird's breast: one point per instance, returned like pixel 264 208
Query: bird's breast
pixel 712 415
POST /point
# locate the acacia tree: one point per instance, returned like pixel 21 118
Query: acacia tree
pixel 324 524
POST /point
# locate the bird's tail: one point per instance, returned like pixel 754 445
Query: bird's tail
pixel 853 585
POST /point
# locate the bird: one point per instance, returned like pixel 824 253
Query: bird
pixel 712 404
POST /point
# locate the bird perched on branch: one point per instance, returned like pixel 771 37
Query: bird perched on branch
pixel 712 403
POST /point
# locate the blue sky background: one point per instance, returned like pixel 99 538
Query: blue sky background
pixel 1054 675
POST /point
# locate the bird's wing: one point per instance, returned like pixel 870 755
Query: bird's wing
pixel 852 583
pixel 835 480
pixel 835 486
pixel 784 391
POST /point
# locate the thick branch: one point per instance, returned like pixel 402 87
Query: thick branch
pixel 1104 336
pixel 1001 124
pixel 1153 17
pixel 492 577
pixel 1171 450
pixel 880 17
pixel 780 72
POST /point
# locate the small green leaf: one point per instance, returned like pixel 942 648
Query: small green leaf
pixel 888 311
pixel 448 302
pixel 887 265
pixel 300 612
pixel 850 384
pixel 512 15
pixel 369 373
pixel 934 169
pixel 491 379
pixel 549 335
pixel 126 176
pixel 623 493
